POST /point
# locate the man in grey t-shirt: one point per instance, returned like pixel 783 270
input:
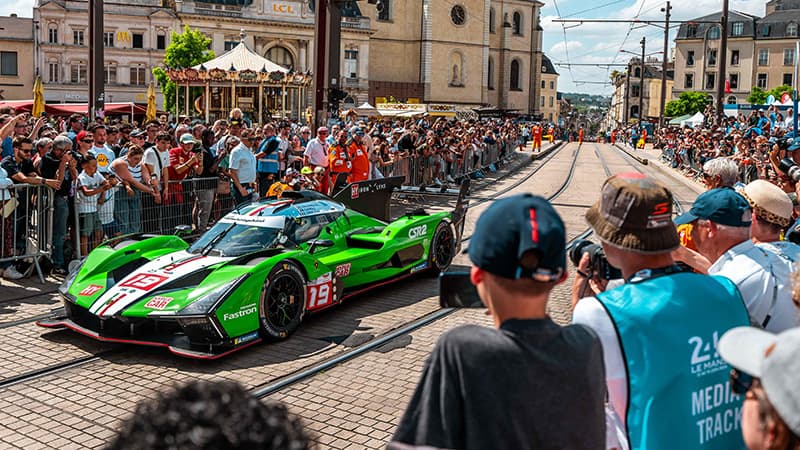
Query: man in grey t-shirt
pixel 528 383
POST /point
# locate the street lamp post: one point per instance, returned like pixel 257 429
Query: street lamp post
pixel 723 60
pixel 641 83
pixel 663 104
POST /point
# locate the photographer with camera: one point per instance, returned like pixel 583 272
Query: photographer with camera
pixel 721 228
pixel 644 324
pixel 527 383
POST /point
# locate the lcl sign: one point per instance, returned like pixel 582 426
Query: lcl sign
pixel 284 9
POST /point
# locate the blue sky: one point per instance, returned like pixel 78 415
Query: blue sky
pixel 601 43
pixel 586 43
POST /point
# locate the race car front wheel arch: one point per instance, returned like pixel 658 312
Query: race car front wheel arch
pixel 283 300
pixel 442 249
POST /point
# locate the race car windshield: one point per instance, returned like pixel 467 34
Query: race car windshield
pixel 226 239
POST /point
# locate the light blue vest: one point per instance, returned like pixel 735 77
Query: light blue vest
pixel 269 163
pixel 678 386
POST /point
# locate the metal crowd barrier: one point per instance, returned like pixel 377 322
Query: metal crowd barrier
pixel 27 232
pixel 196 202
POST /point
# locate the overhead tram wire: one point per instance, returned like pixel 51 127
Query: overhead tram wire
pixel 566 43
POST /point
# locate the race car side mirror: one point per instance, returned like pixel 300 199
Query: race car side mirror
pixel 183 230
pixel 314 243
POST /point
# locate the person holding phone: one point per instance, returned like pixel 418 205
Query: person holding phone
pixel 527 382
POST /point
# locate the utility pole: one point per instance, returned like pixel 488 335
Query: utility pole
pixel 723 60
pixel 626 112
pixel 666 11
pixel 320 72
pixel 96 70
pixel 641 84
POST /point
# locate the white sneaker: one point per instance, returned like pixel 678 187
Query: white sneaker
pixel 437 182
pixel 11 273
pixel 450 179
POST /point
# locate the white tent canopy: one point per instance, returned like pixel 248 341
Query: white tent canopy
pixel 242 58
pixel 367 110
pixel 695 120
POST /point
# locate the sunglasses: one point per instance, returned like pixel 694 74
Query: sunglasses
pixel 87 140
pixel 25 150
pixel 740 382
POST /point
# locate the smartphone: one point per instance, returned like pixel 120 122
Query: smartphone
pixel 457 291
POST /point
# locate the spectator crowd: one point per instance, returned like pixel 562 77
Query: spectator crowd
pixel 111 178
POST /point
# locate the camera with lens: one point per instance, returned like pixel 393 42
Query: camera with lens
pixel 598 262
pixel 197 148
pixel 784 143
pixel 791 169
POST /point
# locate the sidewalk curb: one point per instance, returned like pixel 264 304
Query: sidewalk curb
pixel 636 157
pixel 671 173
pixel 547 151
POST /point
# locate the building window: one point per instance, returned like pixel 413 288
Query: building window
pixel 280 56
pixel 515 79
pixel 635 111
pixel 544 84
pixel 52 34
pixel 737 28
pixel 787 79
pixel 77 37
pixel 711 80
pixel 384 13
pixel 552 101
pixel 351 63
pixel 734 57
pixel 763 57
pixel 161 42
pixel 541 101
pixel 788 56
pixel 791 29
pixel 108 38
pixel 713 32
pixel 691 30
pixel 688 81
pixel 491 20
pixel 110 74
pixel 552 85
pixel 765 30
pixel 138 40
pixel 230 45
pixel 690 58
pixel 733 80
pixel 52 72
pixel 637 72
pixel 490 78
pixel 138 76
pixel 78 72
pixel 8 64
pixel 517 23
pixel 635 91
pixel 761 80
pixel 712 57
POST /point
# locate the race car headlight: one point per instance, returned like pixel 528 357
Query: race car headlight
pixel 208 301
pixel 75 268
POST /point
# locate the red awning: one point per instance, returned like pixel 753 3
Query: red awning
pixel 18 105
pixel 65 109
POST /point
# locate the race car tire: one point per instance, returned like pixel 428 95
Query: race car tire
pixel 283 301
pixel 442 249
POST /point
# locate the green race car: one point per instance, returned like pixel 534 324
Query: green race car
pixel 255 274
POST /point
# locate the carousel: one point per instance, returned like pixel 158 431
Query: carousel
pixel 241 78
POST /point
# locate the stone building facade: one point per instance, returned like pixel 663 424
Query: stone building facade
pixel 761 52
pixel 548 96
pixel 468 53
pixel 16 53
pixel 629 86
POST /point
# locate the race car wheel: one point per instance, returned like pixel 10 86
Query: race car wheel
pixel 283 300
pixel 441 252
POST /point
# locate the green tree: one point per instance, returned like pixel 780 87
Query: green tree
pixel 778 91
pixel 186 49
pixel 687 103
pixel 757 96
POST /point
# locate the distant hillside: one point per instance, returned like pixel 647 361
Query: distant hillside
pixel 586 100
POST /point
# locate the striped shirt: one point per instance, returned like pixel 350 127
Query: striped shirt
pixel 88 203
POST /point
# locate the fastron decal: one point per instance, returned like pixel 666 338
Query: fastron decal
pixel 245 310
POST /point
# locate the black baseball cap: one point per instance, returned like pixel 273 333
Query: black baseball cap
pixel 514 226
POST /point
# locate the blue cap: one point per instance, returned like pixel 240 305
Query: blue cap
pixel 514 226
pixel 722 205
pixel 794 145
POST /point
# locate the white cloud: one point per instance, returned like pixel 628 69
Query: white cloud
pixel 22 8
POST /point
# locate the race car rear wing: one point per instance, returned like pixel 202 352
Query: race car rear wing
pixel 460 213
pixel 370 197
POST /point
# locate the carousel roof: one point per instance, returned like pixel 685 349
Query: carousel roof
pixel 241 58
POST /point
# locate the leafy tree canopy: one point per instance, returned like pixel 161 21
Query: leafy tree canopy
pixel 687 103
pixel 759 96
pixel 186 49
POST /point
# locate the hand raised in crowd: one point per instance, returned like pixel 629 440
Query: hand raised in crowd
pixel 55 184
